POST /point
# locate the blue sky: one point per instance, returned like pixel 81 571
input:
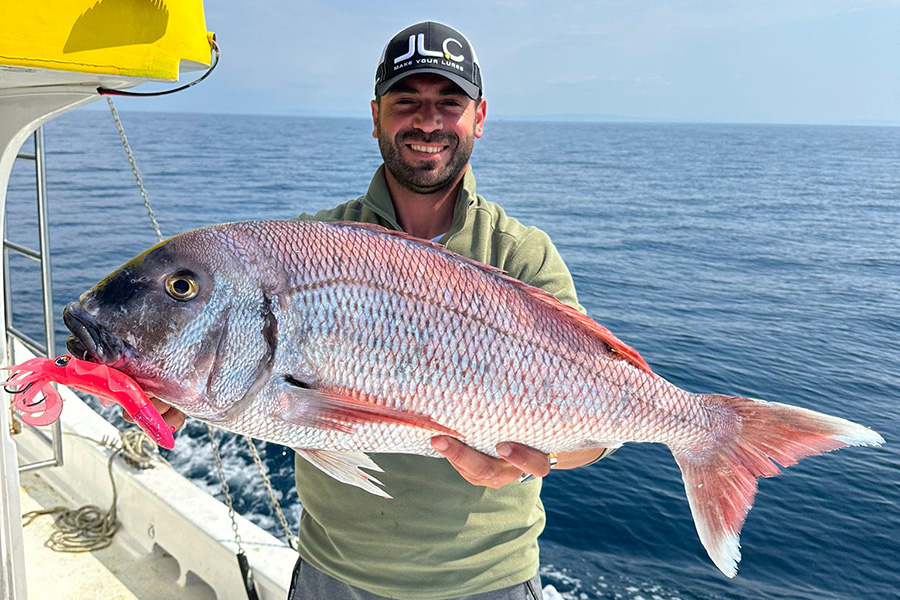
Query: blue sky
pixel 774 61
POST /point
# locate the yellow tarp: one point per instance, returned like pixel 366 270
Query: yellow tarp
pixel 134 38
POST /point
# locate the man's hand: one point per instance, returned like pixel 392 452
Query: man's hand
pixel 171 415
pixel 515 460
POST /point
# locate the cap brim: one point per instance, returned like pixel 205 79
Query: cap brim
pixel 468 87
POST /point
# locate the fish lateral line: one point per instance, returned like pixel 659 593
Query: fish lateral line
pixel 618 348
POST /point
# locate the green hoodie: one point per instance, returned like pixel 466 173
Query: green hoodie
pixel 439 537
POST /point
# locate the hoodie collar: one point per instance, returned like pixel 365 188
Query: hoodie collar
pixel 378 199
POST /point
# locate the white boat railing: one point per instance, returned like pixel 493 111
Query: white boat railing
pixel 42 257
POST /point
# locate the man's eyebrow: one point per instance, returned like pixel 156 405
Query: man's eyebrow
pixel 401 88
pixel 450 89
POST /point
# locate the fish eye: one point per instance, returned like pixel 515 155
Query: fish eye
pixel 181 286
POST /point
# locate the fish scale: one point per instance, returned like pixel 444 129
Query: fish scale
pixel 356 339
pixel 337 348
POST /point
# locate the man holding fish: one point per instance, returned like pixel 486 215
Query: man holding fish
pixel 365 347
pixel 440 537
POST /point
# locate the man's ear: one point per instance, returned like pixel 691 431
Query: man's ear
pixel 480 113
pixel 375 119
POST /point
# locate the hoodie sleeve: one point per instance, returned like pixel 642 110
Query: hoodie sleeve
pixel 536 261
pixel 354 210
pixel 348 211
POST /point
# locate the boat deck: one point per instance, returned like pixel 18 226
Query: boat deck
pixel 175 540
pixel 112 573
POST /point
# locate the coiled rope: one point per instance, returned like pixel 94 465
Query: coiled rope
pixel 89 528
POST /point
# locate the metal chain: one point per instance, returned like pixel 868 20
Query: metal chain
pixel 140 182
pixel 225 489
pixel 134 169
pixel 292 542
pixel 291 539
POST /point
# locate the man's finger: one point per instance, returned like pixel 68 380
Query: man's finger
pixel 475 467
pixel 525 458
pixel 464 458
pixel 171 415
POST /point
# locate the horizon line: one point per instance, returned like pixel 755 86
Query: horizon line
pixel 537 118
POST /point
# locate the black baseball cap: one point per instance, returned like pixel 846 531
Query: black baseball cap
pixel 429 47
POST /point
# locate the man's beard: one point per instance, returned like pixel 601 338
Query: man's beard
pixel 424 179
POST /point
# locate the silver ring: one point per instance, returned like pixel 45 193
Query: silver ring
pixel 552 457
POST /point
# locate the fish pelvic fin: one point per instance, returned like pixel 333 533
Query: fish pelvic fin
pixel 721 482
pixel 346 468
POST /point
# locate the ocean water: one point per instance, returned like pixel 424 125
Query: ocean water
pixel 741 259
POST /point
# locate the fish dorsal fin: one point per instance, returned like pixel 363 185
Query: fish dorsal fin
pixel 617 346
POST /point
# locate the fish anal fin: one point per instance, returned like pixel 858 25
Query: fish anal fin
pixel 323 409
pixel 346 468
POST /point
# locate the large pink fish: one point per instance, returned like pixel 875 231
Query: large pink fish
pixel 341 339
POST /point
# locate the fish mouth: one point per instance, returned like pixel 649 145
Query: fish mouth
pixel 89 340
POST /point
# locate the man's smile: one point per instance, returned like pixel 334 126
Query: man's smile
pixel 427 148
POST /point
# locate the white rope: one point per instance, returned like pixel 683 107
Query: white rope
pixel 88 528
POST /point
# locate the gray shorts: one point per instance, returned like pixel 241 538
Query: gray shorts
pixel 308 583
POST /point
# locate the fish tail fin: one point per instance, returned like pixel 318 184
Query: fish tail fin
pixel 721 481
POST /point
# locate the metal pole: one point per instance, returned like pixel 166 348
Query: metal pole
pixel 7 297
pixel 46 286
pixel 9 359
pixel 44 241
pixel 46 277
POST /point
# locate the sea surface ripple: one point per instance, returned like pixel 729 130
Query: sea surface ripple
pixel 742 259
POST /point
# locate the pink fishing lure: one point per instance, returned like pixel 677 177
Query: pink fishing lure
pixel 111 386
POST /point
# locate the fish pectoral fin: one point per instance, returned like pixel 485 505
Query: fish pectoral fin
pixel 325 410
pixel 346 468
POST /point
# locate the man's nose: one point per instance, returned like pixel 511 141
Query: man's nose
pixel 428 118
